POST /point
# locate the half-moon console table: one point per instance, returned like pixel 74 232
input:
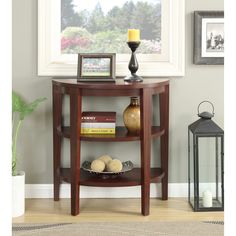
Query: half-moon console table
pixel 138 176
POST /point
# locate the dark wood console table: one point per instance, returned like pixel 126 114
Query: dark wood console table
pixel 138 176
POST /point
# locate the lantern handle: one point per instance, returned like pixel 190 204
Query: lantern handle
pixel 213 109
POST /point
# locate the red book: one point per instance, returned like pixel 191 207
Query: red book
pixel 98 116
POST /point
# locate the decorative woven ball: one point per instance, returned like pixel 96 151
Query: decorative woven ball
pixel 98 166
pixel 114 165
pixel 105 158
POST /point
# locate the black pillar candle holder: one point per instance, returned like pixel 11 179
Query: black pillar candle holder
pixel 133 64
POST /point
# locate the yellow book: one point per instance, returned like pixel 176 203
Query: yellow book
pixel 98 131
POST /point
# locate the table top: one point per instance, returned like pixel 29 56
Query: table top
pixel 118 84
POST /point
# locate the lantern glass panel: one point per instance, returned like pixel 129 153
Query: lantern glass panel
pixel 191 169
pixel 209 172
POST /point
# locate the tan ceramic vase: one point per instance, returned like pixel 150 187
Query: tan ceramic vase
pixel 131 116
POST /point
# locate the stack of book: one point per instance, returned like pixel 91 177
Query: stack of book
pixel 98 122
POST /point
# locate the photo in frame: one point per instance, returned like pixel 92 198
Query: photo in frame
pixel 96 67
pixel 208 38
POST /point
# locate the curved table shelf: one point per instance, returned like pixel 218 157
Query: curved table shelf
pixel 121 135
pixel 130 178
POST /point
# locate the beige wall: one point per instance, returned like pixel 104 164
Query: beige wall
pixel 35 141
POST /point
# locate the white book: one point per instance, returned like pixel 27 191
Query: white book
pixel 98 125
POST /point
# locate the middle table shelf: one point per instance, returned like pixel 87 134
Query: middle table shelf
pixel 120 135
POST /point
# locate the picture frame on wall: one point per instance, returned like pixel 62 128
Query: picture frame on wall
pixel 96 67
pixel 62 36
pixel 208 38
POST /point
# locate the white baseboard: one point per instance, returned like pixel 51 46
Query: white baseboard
pixel 46 191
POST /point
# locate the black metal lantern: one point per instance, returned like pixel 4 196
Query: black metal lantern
pixel 206 163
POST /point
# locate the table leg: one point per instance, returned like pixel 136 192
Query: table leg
pixel 146 124
pixel 57 119
pixel 164 120
pixel 75 120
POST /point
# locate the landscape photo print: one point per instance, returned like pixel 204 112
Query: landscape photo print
pixel 100 26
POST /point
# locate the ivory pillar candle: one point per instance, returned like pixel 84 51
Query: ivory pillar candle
pixel 133 35
pixel 207 199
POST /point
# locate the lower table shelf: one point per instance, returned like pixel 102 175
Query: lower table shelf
pixel 131 178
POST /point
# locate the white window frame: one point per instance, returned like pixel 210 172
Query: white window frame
pixel 171 62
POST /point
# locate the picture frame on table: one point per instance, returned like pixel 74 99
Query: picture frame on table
pixel 96 67
pixel 208 38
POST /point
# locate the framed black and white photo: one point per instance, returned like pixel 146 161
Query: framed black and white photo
pixel 96 67
pixel 208 37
